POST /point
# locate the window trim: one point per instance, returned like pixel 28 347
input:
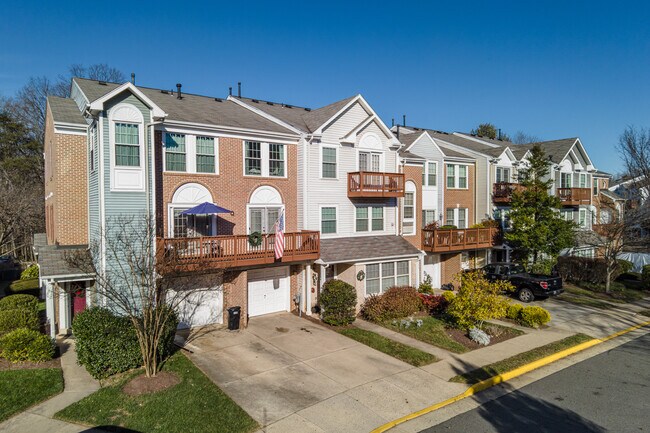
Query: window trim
pixel 216 154
pixel 457 176
pixel 413 219
pixel 265 159
pixel 187 164
pixel 580 177
pixel 124 178
pixel 570 175
pixel 370 152
pixel 320 219
pixel 250 206
pixel 320 162
pixel 595 186
pixel 456 211
pixel 369 218
pixel 426 173
pixel 582 212
pixel 435 216
pixel 381 276
pixel 502 169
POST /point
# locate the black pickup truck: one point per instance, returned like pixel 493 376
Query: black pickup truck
pixel 527 286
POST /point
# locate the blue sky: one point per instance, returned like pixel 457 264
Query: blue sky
pixel 552 69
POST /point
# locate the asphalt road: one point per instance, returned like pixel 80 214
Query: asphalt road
pixel 607 393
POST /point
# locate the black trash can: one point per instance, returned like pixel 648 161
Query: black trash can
pixel 234 315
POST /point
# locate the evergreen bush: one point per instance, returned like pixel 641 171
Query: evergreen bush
pixel 338 301
pixel 26 345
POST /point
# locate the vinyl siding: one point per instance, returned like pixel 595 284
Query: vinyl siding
pixel 432 198
pixel 345 123
pixel 93 189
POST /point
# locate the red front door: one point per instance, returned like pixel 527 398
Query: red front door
pixel 78 301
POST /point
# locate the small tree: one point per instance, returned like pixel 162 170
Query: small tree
pixel 478 300
pixel 136 279
pixel 608 239
pixel 537 227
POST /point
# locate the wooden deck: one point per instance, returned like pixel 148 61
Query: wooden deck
pixel 502 191
pixel 375 184
pixel 574 196
pixel 455 240
pixel 219 252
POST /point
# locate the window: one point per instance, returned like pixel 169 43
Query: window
pixel 503 174
pixel 329 162
pixel 262 218
pixel 127 145
pixel 565 180
pixel 382 276
pixel 594 186
pixel 583 180
pixel 175 152
pixel 582 218
pixel 456 217
pixel 432 174
pixel 369 161
pixel 456 176
pixel 369 218
pixel 567 215
pixel 462 221
pixel 451 176
pixel 276 160
pixel 328 220
pixel 180 223
pixel 253 158
pixel 428 217
pixel 408 210
pixel 205 159
pixel 450 220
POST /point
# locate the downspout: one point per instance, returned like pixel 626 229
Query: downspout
pixel 149 191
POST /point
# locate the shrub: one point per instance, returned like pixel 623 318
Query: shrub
pixel 478 300
pixel 645 276
pixel 449 296
pixel 543 267
pixel 479 336
pixel 25 302
pixel 105 343
pixel 534 317
pixel 29 273
pixel 338 301
pixel 10 320
pixel 373 309
pixel 578 269
pixel 27 287
pixel 426 286
pixel 400 301
pixel 513 311
pixel 434 304
pixel 26 345
pixel 624 266
pixel 448 226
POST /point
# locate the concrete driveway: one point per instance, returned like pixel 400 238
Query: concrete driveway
pixel 293 375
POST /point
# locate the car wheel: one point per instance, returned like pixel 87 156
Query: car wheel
pixel 525 295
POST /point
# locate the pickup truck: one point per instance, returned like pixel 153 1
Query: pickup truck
pixel 527 286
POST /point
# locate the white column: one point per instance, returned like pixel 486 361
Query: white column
pixel 49 307
pixel 64 309
pixel 307 280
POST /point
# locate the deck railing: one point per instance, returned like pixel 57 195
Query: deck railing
pixel 451 240
pixel 234 251
pixel 375 184
pixel 502 191
pixel 574 196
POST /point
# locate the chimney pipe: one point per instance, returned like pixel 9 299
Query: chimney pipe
pixel 133 78
pixel 499 136
pixel 404 120
pixel 230 90
pixel 239 89
pixel 178 91
pixel 398 131
pixel 392 122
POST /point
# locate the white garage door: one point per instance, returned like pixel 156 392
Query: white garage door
pixel 202 302
pixel 268 291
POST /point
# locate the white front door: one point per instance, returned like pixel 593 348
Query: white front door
pixel 268 291
pixel 432 267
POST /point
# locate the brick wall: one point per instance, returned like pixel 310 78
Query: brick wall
pixel 66 187
pixel 230 188
pixel 414 174
pixel 450 266
pixel 235 292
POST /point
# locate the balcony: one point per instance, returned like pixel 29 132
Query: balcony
pixel 574 196
pixel 454 240
pixel 220 252
pixel 502 191
pixel 369 184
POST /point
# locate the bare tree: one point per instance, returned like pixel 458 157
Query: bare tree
pixel 522 137
pixel 608 240
pixel 20 216
pixel 137 279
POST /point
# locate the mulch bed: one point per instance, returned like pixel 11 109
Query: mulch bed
pixel 6 365
pixel 461 336
pixel 147 385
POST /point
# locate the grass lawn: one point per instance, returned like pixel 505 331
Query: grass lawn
pixel 432 331
pixel 22 389
pixel 408 354
pixel 194 405
pixel 516 361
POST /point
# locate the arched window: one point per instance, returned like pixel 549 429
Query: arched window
pixel 408 209
pixel 185 197
pixel 263 209
pixel 371 155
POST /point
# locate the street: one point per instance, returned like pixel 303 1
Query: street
pixel 609 392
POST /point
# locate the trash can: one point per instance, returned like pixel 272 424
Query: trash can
pixel 234 314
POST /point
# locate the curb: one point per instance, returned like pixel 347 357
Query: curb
pixel 495 380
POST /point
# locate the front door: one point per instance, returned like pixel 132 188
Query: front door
pixel 432 268
pixel 78 299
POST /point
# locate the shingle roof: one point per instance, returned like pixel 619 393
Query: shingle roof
pixel 52 258
pixel 192 108
pixel 65 110
pixel 611 195
pixel 459 141
pixel 555 149
pixel 354 249
pixel 409 138
pixel 602 174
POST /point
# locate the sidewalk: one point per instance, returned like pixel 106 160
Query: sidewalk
pixel 77 385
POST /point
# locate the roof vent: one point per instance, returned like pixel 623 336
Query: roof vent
pixel 270 103
pixel 179 95
pixel 307 109
pixel 101 83
pixel 255 101
pixel 239 89
pixel 218 99
pixel 288 106
pixel 165 92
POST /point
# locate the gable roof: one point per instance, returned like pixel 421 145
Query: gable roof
pixel 65 110
pixel 556 149
pixel 191 108
pixel 468 144
pixel 407 139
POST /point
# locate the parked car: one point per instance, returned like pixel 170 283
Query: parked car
pixel 527 286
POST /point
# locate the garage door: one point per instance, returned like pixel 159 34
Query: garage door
pixel 268 291
pixel 202 302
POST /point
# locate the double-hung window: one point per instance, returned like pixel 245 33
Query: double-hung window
pixel 582 218
pixel 175 152
pixel 253 158
pixel 567 215
pixel 276 160
pixel 369 161
pixel 205 159
pixel 382 276
pixel 127 145
pixel 328 162
pixel 369 218
pixel 451 176
pixel 462 176
pixel 583 180
pixel 456 217
pixel 408 223
pixel 429 175
pixel 328 220
pixel 594 186
pixel 457 176
pixel 503 174
pixel 450 219
pixel 428 217
pixel 565 180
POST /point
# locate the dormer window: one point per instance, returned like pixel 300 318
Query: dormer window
pixel 127 145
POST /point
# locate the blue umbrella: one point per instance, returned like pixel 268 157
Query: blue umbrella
pixel 206 208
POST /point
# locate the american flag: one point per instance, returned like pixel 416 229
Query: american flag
pixel 279 237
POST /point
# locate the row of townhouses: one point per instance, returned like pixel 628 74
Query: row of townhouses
pixel 361 202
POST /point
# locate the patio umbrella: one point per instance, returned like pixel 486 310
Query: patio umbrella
pixel 206 208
